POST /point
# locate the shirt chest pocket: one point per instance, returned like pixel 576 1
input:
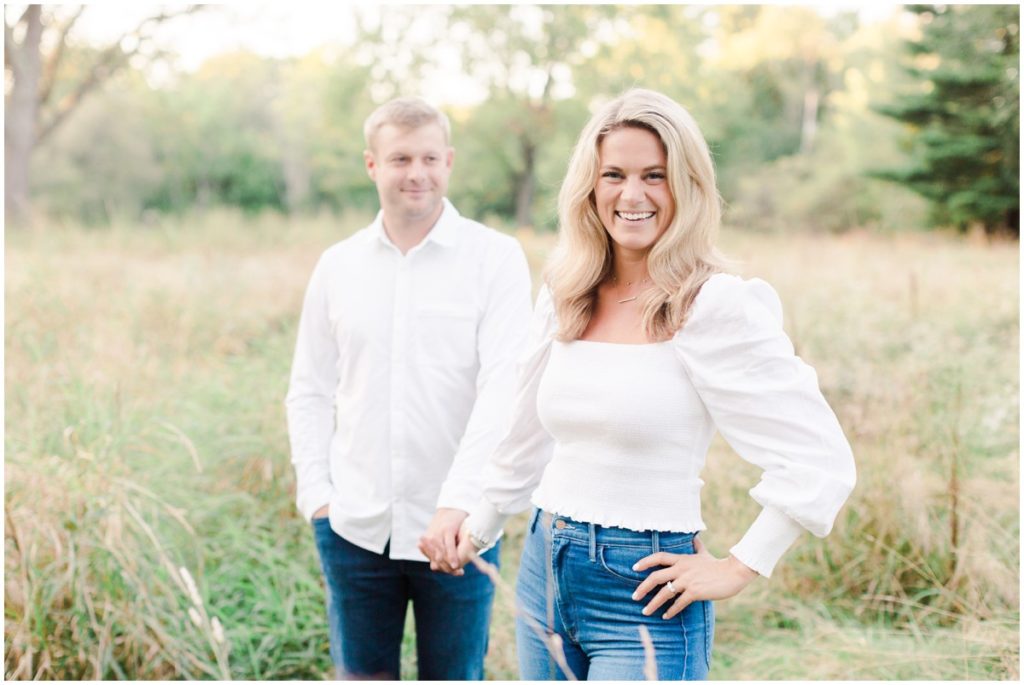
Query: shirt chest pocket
pixel 446 336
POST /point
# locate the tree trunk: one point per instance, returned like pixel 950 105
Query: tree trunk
pixel 20 118
pixel 809 126
pixel 296 172
pixel 17 154
pixel 525 186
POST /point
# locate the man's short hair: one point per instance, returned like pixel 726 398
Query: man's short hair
pixel 407 113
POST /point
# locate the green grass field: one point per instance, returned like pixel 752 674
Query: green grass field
pixel 145 434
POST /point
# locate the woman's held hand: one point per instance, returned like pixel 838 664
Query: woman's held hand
pixel 440 542
pixel 466 550
pixel 694 577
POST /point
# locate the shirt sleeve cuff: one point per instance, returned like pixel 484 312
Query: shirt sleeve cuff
pixel 311 500
pixel 766 541
pixel 485 522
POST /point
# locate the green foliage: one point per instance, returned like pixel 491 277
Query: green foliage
pixel 92 171
pixel 783 94
pixel 338 101
pixel 774 71
pixel 967 118
pixel 489 162
pixel 525 57
pixel 243 131
pixel 827 188
pixel 220 136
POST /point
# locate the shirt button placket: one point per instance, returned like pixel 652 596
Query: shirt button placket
pixel 399 346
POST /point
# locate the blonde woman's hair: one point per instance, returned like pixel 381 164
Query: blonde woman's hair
pixel 407 113
pixel 682 259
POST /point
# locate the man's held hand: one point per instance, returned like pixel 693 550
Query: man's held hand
pixel 440 544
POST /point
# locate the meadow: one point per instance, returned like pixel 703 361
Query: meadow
pixel 150 527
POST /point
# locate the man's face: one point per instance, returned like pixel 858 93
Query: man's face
pixel 411 167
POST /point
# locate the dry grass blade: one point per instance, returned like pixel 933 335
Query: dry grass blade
pixel 164 559
pixel 552 641
pixel 185 441
pixel 650 662
pixel 174 512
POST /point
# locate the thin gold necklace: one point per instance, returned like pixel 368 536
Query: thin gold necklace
pixel 615 282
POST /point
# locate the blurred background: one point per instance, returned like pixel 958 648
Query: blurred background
pixel 172 173
pixel 113 117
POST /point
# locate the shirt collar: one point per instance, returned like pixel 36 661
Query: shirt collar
pixel 446 229
pixel 444 232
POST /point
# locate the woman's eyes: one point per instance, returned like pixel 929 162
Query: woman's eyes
pixel 652 176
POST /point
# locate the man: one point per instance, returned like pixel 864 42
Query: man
pixel 401 386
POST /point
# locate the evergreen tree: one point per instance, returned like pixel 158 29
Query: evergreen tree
pixel 966 118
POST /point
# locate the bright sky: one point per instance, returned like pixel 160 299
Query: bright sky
pixel 280 29
pixel 269 28
pixel 273 29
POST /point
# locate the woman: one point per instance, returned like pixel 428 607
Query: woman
pixel 641 348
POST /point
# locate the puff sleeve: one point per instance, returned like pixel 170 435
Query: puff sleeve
pixel 766 403
pixel 515 468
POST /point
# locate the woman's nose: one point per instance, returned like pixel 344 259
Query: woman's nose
pixel 633 190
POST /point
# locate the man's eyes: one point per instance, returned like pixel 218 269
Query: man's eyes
pixel 405 160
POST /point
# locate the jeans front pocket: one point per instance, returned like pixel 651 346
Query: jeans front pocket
pixel 618 562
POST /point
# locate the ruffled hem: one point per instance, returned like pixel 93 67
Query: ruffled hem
pixel 668 523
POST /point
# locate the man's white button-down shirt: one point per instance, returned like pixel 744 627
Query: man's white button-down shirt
pixel 404 376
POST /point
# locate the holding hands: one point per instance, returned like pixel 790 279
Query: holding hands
pixel 690 578
pixel 445 541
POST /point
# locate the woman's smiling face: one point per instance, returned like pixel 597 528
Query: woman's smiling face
pixel 632 194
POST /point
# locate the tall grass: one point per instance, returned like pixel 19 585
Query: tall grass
pixel 146 448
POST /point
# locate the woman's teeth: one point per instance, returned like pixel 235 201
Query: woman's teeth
pixel 634 216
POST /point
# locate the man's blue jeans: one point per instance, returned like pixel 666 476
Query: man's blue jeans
pixel 576 580
pixel 367 598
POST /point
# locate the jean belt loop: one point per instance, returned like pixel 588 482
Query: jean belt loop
pixel 655 542
pixel 593 541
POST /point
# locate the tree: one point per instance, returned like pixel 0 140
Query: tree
pixel 656 47
pixel 966 118
pixel 526 57
pixel 34 48
pixel 101 164
pixel 774 70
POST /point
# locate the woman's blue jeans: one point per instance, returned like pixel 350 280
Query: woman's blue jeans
pixel 576 580
pixel 367 598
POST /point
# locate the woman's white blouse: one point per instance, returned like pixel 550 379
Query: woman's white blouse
pixel 616 434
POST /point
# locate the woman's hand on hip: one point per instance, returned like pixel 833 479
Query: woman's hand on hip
pixel 694 577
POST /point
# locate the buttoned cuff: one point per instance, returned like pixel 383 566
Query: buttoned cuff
pixel 485 522
pixel 766 541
